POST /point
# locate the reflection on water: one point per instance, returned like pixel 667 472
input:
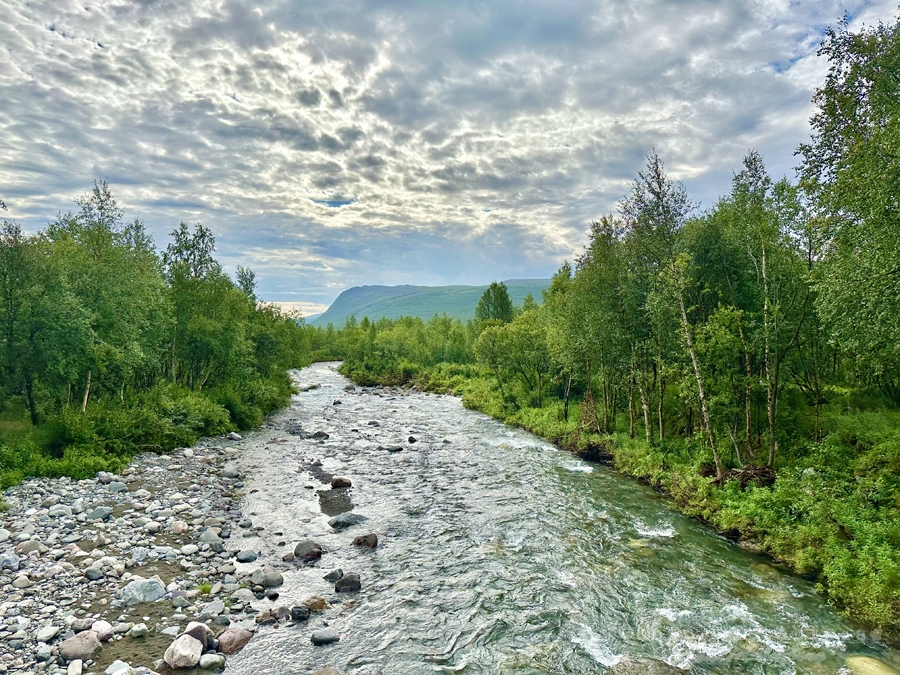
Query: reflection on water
pixel 501 554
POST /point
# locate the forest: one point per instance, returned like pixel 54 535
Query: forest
pixel 109 347
pixel 745 358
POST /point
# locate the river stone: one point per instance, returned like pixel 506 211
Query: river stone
pixel 4 535
pixel 866 665
pixel 200 632
pixel 308 551
pixel 324 637
pixel 212 609
pixel 641 666
pixel 143 590
pixel 93 573
pixel 246 556
pixel 81 646
pixel 230 471
pixel 334 575
pixel 234 436
pixel 139 630
pixel 340 482
pixel 184 652
pixel 349 583
pixel 22 581
pixel 212 661
pixel 366 541
pixel 346 520
pixel 9 561
pixel 29 546
pixel 316 603
pixel 116 486
pixel 103 630
pixel 118 668
pixel 47 633
pixel 210 536
pixel 233 639
pixel 266 577
pixel 99 513
pixel 299 613
pixel 76 667
pixel 60 511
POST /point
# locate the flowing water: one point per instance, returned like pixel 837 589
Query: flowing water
pixel 500 553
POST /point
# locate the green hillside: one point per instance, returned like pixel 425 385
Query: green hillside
pixel 392 302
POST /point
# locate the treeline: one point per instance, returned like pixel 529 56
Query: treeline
pixel 745 358
pixel 109 347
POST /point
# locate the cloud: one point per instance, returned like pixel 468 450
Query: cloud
pixel 385 141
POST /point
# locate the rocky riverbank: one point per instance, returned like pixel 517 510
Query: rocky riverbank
pixel 148 571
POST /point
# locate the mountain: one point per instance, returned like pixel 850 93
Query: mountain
pixel 392 302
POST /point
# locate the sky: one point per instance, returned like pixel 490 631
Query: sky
pixel 349 142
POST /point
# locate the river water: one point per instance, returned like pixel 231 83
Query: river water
pixel 500 553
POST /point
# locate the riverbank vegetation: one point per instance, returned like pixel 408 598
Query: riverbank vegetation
pixel 745 358
pixel 109 347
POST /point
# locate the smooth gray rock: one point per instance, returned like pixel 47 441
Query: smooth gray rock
pixel 99 513
pixel 116 486
pixel 266 577
pixel 143 590
pixel 246 556
pixel 345 520
pixel 230 471
pixel 324 637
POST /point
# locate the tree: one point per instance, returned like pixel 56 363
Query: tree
pixel 494 304
pixel 851 169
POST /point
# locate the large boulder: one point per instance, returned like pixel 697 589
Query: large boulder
pixel 631 665
pixel 184 652
pixel 233 639
pixel 307 551
pixel 81 646
pixel 143 590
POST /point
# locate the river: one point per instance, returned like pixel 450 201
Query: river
pixel 500 553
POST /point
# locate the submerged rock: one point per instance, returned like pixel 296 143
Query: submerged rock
pixel 866 665
pixel 343 520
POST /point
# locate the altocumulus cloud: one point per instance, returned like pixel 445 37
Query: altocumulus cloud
pixel 336 143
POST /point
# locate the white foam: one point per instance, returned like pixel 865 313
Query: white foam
pixel 593 644
pixel 577 467
pixel 660 530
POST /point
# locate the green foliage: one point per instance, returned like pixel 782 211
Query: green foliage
pixel 108 349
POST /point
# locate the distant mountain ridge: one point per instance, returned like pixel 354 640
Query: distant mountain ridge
pixel 392 302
